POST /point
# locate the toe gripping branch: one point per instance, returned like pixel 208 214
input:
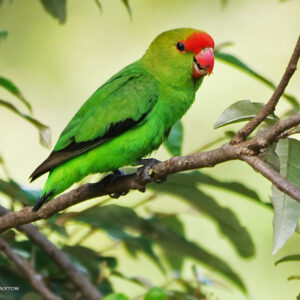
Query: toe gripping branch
pixel 111 179
pixel 144 173
pixel 146 170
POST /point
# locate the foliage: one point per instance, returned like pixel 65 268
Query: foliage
pixel 44 131
pixel 3 34
pixel 13 89
pixel 159 236
pixel 175 139
pixel 243 110
pixel 58 9
pixel 286 209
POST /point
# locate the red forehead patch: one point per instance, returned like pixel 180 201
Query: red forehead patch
pixel 197 41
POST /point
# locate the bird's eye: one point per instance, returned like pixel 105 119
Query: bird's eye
pixel 180 46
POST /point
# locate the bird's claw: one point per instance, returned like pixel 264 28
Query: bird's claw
pixel 118 195
pixel 146 170
pixel 111 178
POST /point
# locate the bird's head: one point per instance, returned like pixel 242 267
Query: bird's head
pixel 181 55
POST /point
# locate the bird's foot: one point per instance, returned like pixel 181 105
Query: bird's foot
pixel 111 179
pixel 145 172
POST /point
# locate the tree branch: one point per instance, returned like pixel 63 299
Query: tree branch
pixel 34 278
pixel 64 263
pixel 159 171
pixel 277 179
pixel 124 183
pixel 288 133
pixel 237 148
pixel 269 108
pixel 268 137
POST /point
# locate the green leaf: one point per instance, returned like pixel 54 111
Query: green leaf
pixel 124 217
pixel 295 257
pixel 126 3
pixel 23 248
pixel 237 63
pixel 269 156
pixel 13 89
pixel 156 293
pixel 85 259
pixel 295 277
pixel 243 110
pixel 105 287
pixel 223 45
pixel 98 3
pixel 56 8
pixel 19 192
pixel 136 244
pixel 286 209
pixel 139 280
pixel 29 251
pixel 3 260
pixel 224 3
pixel 175 138
pixel 3 34
pixel 172 221
pixel 116 296
pixel 224 217
pixel 196 177
pixel 44 131
pixel 133 244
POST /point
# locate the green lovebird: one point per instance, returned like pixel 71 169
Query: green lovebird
pixel 132 113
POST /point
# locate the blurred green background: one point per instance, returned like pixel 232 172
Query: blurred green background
pixel 58 67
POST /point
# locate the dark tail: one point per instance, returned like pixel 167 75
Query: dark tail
pixel 42 200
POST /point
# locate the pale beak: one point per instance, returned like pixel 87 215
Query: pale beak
pixel 203 62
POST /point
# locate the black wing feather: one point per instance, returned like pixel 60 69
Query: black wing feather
pixel 74 149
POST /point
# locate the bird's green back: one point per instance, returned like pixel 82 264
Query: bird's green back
pixel 129 94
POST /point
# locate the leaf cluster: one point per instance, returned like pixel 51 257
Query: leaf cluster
pixel 139 230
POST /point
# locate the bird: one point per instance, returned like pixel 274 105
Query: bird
pixel 132 113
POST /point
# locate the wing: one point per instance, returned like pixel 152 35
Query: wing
pixel 116 107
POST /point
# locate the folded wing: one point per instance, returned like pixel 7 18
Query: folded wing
pixel 119 105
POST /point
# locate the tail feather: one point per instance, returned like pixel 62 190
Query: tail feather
pixel 42 200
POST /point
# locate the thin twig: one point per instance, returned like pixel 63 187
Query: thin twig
pixel 34 278
pixel 278 180
pixel 269 108
pixel 268 137
pixel 56 255
pixel 287 134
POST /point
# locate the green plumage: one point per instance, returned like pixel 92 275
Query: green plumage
pixel 126 118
